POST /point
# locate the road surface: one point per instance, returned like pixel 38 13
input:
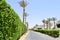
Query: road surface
pixel 39 36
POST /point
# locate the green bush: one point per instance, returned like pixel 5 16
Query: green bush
pixel 22 29
pixel 58 25
pixel 53 33
pixel 10 24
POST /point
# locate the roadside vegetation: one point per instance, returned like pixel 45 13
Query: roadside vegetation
pixel 23 29
pixel 49 27
pixel 51 32
pixel 58 25
pixel 11 27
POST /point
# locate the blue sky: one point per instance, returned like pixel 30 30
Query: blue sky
pixel 37 10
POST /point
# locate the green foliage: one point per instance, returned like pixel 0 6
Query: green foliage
pixel 10 23
pixel 53 33
pixel 58 25
pixel 23 29
pixel 59 32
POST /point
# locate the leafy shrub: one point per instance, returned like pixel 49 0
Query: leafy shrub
pixel 10 23
pixel 53 33
pixel 58 25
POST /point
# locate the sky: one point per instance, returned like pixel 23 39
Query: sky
pixel 37 10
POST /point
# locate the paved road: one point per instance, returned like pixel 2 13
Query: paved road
pixel 39 36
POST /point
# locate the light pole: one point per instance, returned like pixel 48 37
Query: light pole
pixel 23 4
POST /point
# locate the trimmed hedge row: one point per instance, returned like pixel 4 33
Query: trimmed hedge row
pixel 59 32
pixel 23 29
pixel 58 25
pixel 11 27
pixel 53 33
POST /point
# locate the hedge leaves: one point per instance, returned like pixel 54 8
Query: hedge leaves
pixel 10 24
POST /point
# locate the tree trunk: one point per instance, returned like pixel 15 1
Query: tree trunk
pixel 44 25
pixel 47 26
pixel 23 14
pixel 54 25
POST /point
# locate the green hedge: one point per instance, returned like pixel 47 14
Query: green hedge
pixel 23 29
pixel 11 27
pixel 58 25
pixel 53 33
pixel 59 33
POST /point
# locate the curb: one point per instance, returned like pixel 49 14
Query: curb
pixel 23 36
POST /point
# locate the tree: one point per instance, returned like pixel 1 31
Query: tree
pixel 49 19
pixel 58 25
pixel 25 15
pixel 23 4
pixel 47 23
pixel 44 21
pixel 54 19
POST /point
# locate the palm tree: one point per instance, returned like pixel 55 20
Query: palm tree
pixel 23 4
pixel 25 15
pixel 47 23
pixel 27 24
pixel 35 26
pixel 49 19
pixel 44 22
pixel 54 19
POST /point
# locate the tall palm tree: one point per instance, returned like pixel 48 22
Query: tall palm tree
pixel 25 15
pixel 23 4
pixel 27 24
pixel 49 19
pixel 54 19
pixel 44 22
pixel 47 23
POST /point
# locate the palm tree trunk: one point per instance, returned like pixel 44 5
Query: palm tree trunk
pixel 23 14
pixel 25 20
pixel 47 26
pixel 54 25
pixel 44 25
